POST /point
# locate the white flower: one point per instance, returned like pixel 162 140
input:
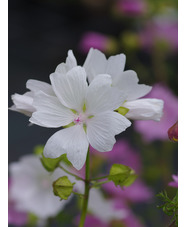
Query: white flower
pixel 86 107
pixel 104 209
pixel 23 103
pixel 31 187
pixel 127 81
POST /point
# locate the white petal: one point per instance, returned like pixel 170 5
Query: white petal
pixel 50 112
pixel 71 88
pixel 119 122
pixel 104 209
pixel 102 128
pixel 71 60
pixel 72 141
pixel 115 65
pixel 145 109
pixel 70 63
pixel 101 96
pixel 36 86
pixel 31 187
pixel 23 103
pixel 128 82
pixel 95 64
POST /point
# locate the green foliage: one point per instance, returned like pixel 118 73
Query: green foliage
pixel 169 206
pixel 122 175
pixel 38 150
pixel 50 164
pixel 62 187
pixel 32 220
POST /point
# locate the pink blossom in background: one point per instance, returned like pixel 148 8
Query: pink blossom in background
pixel 92 221
pixel 123 153
pixel 131 220
pixel 174 183
pixel 152 130
pixel 15 217
pixel 137 192
pixel 98 41
pixel 95 40
pixel 160 30
pixel 132 7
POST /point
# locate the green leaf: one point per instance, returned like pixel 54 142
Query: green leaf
pixel 169 206
pixel 121 175
pixel 50 164
pixel 38 150
pixel 62 187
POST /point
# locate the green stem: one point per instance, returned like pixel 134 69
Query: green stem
pixel 76 193
pixel 72 174
pixel 86 193
pixel 99 178
pixel 100 183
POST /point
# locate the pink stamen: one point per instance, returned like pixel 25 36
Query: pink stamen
pixel 77 120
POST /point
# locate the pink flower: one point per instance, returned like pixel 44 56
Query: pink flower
pixel 97 41
pixel 15 217
pixel 130 220
pixel 137 192
pixel 158 130
pixel 131 7
pixel 123 153
pixel 92 221
pixel 161 29
pixel 174 183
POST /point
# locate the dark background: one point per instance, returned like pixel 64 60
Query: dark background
pixel 40 35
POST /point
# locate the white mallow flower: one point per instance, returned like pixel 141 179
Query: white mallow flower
pixel 89 110
pixel 31 187
pixel 126 81
pixel 104 209
pixel 23 103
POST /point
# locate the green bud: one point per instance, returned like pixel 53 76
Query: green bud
pixel 62 187
pixel 121 175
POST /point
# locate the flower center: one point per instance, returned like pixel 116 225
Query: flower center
pixel 80 118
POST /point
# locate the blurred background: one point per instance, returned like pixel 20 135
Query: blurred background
pixel 40 34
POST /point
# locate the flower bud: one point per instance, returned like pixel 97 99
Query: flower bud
pixel 62 187
pixel 173 132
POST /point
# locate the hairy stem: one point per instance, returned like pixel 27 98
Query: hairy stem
pixel 86 193
pixel 97 184
pixel 99 178
pixel 72 174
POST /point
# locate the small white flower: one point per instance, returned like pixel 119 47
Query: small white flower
pixel 126 81
pixel 104 209
pixel 31 187
pixel 86 107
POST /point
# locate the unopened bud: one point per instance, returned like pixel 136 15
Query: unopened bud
pixel 173 132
